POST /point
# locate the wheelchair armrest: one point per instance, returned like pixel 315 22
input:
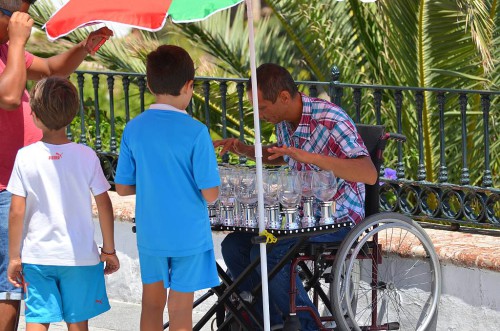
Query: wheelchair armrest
pixel 395 136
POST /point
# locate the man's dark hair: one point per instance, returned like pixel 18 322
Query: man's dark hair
pixel 55 102
pixel 272 79
pixel 168 69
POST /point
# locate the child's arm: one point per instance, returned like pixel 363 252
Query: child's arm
pixel 107 223
pixel 16 220
pixel 125 189
pixel 211 194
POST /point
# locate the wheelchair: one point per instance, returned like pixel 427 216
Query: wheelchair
pixel 384 275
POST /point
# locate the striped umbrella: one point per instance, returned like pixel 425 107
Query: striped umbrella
pixel 151 15
pixel 144 14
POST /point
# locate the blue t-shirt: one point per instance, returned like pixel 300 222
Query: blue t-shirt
pixel 170 157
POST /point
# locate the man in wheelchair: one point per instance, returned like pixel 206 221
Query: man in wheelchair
pixel 311 134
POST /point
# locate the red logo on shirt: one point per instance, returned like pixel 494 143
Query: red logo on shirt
pixel 55 157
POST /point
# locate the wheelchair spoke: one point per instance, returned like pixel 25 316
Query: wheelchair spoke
pixel 408 316
pixel 408 271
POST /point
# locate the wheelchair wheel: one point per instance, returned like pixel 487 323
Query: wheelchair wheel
pixel 393 274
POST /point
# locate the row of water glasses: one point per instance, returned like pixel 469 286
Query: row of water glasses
pixel 284 191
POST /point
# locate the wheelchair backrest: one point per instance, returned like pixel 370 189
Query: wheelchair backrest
pixel 372 136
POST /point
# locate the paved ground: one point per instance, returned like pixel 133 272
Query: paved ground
pixel 121 317
pixel 125 316
pixel 463 255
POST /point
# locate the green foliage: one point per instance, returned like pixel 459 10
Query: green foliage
pixel 111 120
pixel 438 43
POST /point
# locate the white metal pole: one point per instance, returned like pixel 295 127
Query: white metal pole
pixel 258 160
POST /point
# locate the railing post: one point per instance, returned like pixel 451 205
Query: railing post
pixel 81 80
pixel 335 91
pixel 223 94
pixel 69 135
pixel 95 85
pixel 357 104
pixel 141 83
pixel 398 99
pixel 126 88
pixel 240 89
pixel 377 103
pixel 313 91
pixel 111 85
pixel 485 104
pixel 464 178
pixel 419 102
pixel 206 93
pixel 443 171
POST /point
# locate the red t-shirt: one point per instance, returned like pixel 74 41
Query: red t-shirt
pixel 16 126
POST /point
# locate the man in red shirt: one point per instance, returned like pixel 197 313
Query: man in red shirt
pixel 16 125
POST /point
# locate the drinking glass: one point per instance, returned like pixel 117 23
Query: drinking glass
pixel 308 219
pixel 213 212
pixel 235 180
pixel 226 196
pixel 271 199
pixel 246 194
pixel 290 193
pixel 324 187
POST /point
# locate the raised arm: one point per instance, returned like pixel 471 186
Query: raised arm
pixel 66 63
pixel 13 78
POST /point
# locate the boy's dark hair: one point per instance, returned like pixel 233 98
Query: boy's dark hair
pixel 168 69
pixel 55 102
pixel 271 80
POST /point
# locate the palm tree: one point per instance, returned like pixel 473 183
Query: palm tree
pixel 445 44
pixel 438 43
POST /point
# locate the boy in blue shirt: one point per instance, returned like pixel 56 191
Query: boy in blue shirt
pixel 167 159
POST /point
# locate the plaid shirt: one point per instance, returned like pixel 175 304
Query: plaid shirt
pixel 326 129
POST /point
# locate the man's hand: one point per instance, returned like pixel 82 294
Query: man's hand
pixel 14 272
pixel 19 28
pixel 232 145
pixel 96 39
pixel 297 154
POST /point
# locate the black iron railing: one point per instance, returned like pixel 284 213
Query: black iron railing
pixel 446 172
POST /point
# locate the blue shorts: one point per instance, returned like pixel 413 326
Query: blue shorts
pixel 70 293
pixel 7 290
pixel 182 274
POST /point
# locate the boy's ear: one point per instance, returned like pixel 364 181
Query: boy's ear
pixel 189 84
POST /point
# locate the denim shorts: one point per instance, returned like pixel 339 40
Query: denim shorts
pixel 7 290
pixel 182 274
pixel 70 293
